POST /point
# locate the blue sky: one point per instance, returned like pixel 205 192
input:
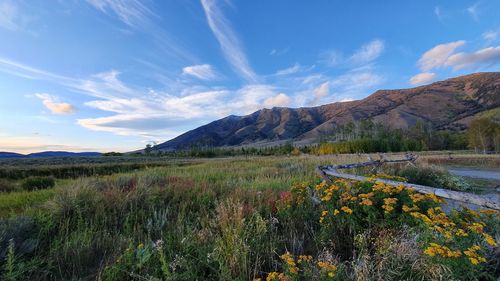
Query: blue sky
pixel 113 75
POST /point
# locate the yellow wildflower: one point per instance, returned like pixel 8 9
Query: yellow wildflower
pixel 345 196
pixel 473 256
pixel 417 197
pixel 366 202
pixel 389 204
pixel 476 227
pixel 443 251
pixel 433 197
pixel 273 276
pixel 490 240
pixel 326 266
pixel 413 208
pixel 323 215
pixel 488 212
pixel 461 232
pixel 290 261
pixel 304 258
pixel 421 217
pixel 346 209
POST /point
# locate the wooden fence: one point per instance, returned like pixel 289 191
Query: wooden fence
pixel 491 201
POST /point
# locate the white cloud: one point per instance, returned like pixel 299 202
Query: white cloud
pixel 319 92
pixel 356 82
pixel 346 99
pixel 201 71
pixel 438 13
pixel 278 52
pixel 423 78
pixel 364 55
pixel 368 52
pixel 483 57
pixel 280 100
pixel 445 55
pixel 131 12
pixel 332 58
pixel 290 70
pixel 474 11
pixel 9 14
pixel 437 56
pixel 228 40
pixel 248 99
pixel 52 103
pixel 491 36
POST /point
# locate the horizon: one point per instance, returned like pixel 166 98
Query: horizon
pixel 104 75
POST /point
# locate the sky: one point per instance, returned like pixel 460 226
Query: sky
pixel 115 75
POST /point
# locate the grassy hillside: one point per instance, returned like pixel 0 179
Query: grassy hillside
pixel 240 219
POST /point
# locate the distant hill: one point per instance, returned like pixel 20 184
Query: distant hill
pixel 11 155
pixel 47 154
pixel 448 104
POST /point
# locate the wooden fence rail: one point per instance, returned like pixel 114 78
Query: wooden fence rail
pixel 491 201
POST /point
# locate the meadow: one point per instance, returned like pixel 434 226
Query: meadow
pixel 239 218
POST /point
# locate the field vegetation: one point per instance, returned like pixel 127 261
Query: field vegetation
pixel 264 218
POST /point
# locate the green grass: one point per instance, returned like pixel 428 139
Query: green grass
pixel 16 202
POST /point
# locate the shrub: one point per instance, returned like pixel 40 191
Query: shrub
pixel 7 186
pixel 33 183
pixel 433 176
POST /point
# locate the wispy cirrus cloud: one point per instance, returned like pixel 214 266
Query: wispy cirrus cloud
pixel 473 11
pixel 289 70
pixel 279 52
pixel 366 54
pixel 438 13
pixel 131 12
pixel 201 71
pixel 228 40
pixel 30 72
pixel 9 15
pixel 491 35
pixel 139 16
pixel 53 104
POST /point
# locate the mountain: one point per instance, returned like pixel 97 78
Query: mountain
pixel 62 154
pixel 448 104
pixel 47 154
pixel 10 155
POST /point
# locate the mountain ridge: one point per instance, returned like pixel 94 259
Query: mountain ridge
pixel 446 104
pixel 6 154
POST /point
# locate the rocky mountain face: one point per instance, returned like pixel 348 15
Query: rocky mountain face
pixel 448 104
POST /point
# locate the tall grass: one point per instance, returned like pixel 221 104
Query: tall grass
pixel 230 219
